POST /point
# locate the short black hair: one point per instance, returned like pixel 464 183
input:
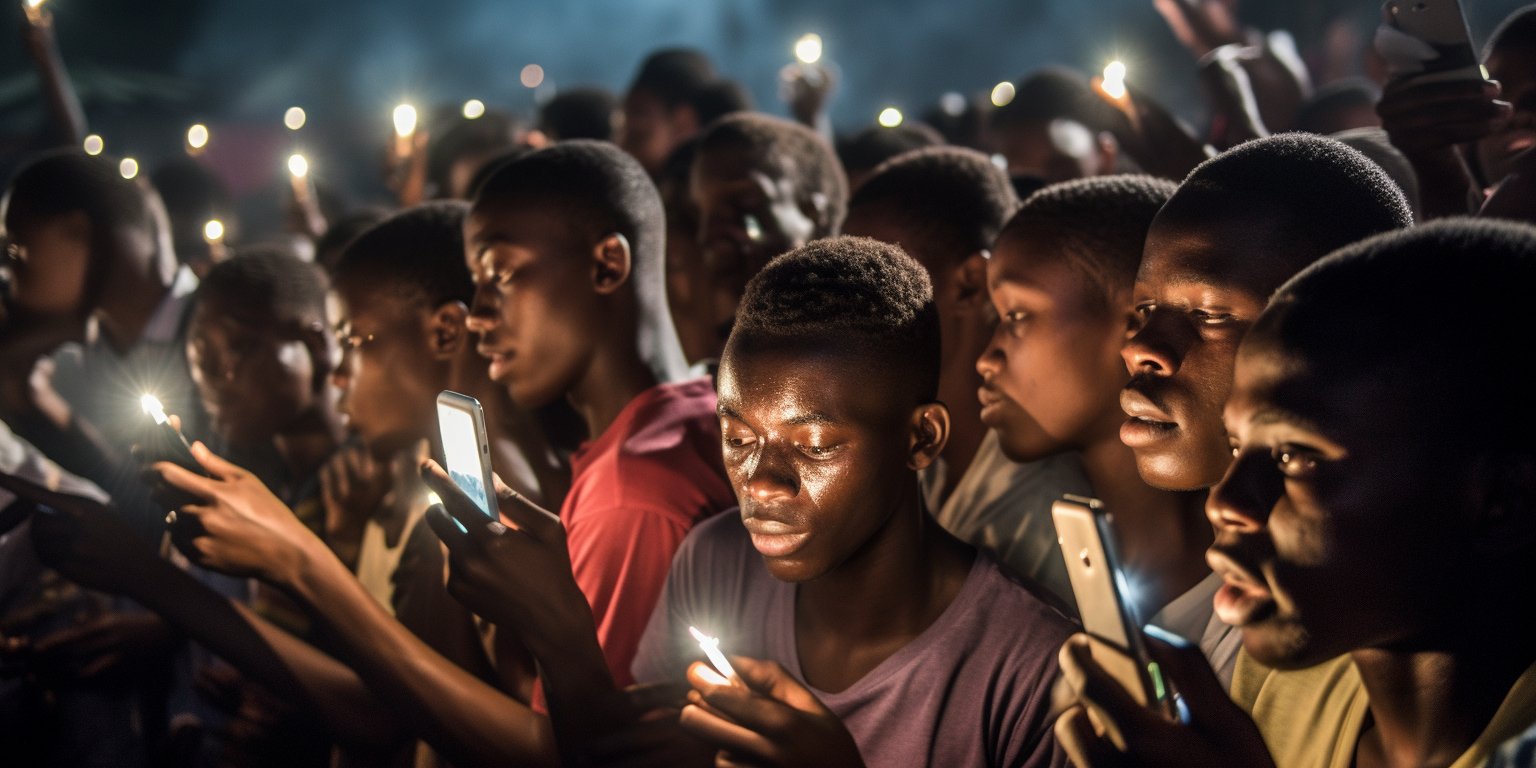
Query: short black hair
pixel 269 282
pixel 1099 223
pixel 580 113
pixel 1051 93
pixel 876 144
pixel 491 133
pixel 674 75
pixel 1375 144
pixel 792 150
pixel 417 253
pixel 491 166
pixel 721 98
pixel 1320 193
pixel 1517 30
pixel 861 294
pixel 952 202
pixel 342 231
pixel 64 181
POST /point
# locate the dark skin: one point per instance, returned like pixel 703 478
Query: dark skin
pixel 652 128
pixel 1053 376
pixel 1031 148
pixel 749 212
pixel 966 320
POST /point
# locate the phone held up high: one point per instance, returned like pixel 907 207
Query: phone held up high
pixel 466 448
pixel 163 442
pixel 1426 41
pixel 1087 538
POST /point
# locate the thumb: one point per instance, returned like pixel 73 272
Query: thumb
pixel 216 465
pixel 772 679
pixel 175 422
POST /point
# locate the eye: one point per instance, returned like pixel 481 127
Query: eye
pixel 1296 462
pixel 818 451
pixel 1145 308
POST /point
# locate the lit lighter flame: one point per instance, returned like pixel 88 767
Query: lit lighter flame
pixel 294 118
pixel 94 144
pixel 1114 79
pixel 197 136
pixel 808 48
pixel 405 120
pixel 474 108
pixel 129 167
pixel 213 232
pixel 711 646
pixel 151 406
pixel 298 166
pixel 1002 94
pixel 890 117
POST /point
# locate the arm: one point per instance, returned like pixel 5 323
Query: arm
pixel 1427 122
pixel 63 104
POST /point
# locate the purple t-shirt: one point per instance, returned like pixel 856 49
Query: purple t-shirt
pixel 973 689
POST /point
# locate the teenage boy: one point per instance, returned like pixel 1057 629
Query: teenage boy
pixel 863 609
pixel 1343 528
pixel 763 186
pixel 660 110
pixel 1060 277
pixel 945 206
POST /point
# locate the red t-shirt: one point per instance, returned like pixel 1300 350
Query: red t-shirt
pixel 635 493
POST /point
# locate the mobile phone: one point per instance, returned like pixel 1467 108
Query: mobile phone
pixel 1087 538
pixel 1441 26
pixel 164 442
pixel 466 447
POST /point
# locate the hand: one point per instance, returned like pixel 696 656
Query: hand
pixel 1230 92
pixel 1219 733
pixel 1150 134
pixel 84 540
pixel 774 721
pixel 1431 117
pixel 236 526
pixel 112 641
pixel 352 488
pixel 654 738
pixel 806 88
pixel 1202 25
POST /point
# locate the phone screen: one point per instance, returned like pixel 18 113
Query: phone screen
pixel 461 450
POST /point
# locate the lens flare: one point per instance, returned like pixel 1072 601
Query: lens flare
pixel 890 117
pixel 808 48
pixel 1002 94
pixel 94 144
pixel 474 108
pixel 294 118
pixel 213 232
pixel 151 406
pixel 1114 79
pixel 129 167
pixel 405 120
pixel 298 166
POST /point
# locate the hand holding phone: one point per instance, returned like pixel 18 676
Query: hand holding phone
pixel 466 448
pixel 1426 41
pixel 164 441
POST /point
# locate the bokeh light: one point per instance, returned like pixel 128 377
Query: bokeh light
pixel 890 117
pixel 474 108
pixel 294 118
pixel 94 144
pixel 808 48
pixel 532 75
pixel 1002 94
pixel 129 167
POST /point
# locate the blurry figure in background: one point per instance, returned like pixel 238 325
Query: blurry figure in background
pixel 763 186
pixel 877 144
pixel 462 145
pixel 194 196
pixel 342 231
pixel 807 89
pixel 659 109
pixel 581 113
pixel 1375 144
pixel 962 121
pixel 721 98
pixel 1271 66
pixel 689 294
pixel 1044 131
pixel 1341 106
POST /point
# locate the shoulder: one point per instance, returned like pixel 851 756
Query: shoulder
pixel 1012 606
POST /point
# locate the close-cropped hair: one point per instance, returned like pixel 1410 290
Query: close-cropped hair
pixel 951 201
pixel 791 151
pixel 267 282
pixel 492 132
pixel 1050 93
pixel 859 294
pixel 876 144
pixel 1517 30
pixel 68 180
pixel 580 113
pixel 417 253
pixel 674 75
pixel 1099 224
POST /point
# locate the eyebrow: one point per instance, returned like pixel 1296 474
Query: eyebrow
pixel 796 421
pixel 1276 415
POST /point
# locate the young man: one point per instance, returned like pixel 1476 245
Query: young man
pixel 1344 528
pixel 1060 277
pixel 659 109
pixel 864 609
pixel 763 186
pixel 945 206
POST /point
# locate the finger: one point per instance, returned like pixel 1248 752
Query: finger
pixel 447 529
pixel 649 696
pixel 216 465
pixel 175 421
pixel 1185 665
pixel 747 707
pixel 526 515
pixel 327 487
pixel 725 734
pixel 186 480
pixel 771 679
pixel 1086 748
pixel 455 502
pixel 1101 691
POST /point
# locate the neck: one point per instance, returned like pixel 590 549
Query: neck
pixel 614 377
pixel 131 300
pixel 965 338
pixel 309 441
pixel 1163 534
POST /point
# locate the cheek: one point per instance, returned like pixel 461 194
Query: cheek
pixel 52 279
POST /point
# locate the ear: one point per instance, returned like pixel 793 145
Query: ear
pixel 971 280
pixel 446 331
pixel 322 353
pixel 929 434
pixel 611 262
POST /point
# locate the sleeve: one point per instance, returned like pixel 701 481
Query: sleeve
pixel 620 557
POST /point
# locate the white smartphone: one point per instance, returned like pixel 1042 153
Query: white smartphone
pixel 466 447
pixel 1439 24
pixel 1087 538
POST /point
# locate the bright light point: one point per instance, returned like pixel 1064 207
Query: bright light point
pixel 294 118
pixel 93 144
pixel 197 136
pixel 433 498
pixel 474 108
pixel 129 167
pixel 298 166
pixel 1483 70
pixel 1000 160
pixel 952 103
pixel 712 677
pixel 1114 79
pixel 808 48
pixel 405 120
pixel 1002 93
pixel 532 75
pixel 213 231
pixel 711 646
pixel 151 406
pixel 35 3
pixel 890 117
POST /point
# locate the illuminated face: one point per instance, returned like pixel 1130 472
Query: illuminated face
pixel 388 376
pixel 1515 69
pixel 1053 372
pixel 817 452
pixel 254 379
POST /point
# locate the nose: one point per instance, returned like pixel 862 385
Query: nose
pixel 1159 346
pixel 1242 501
pixel 992 360
pixel 771 477
pixel 483 314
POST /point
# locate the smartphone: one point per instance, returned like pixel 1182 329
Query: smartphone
pixel 164 442
pixel 1437 23
pixel 1087 538
pixel 466 447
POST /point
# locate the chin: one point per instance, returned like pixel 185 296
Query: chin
pixel 1164 468
pixel 793 570
pixel 1284 645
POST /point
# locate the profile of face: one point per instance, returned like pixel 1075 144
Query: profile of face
pixel 651 130
pixel 395 358
pixel 537 289
pixel 1515 69
pixel 1054 150
pixel 819 453
pixel 1332 522
pixel 1053 373
pixel 48 264
pixel 1203 280
pixel 255 375
pixel 748 214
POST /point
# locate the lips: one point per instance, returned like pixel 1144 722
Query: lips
pixel 1242 599
pixel 499 361
pixel 773 538
pixel 992 402
pixel 1148 423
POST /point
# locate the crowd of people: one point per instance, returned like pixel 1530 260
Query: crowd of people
pixel 812 397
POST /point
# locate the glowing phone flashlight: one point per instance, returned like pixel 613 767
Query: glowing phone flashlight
pixel 711 646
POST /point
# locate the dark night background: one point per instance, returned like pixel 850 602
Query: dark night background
pixel 147 70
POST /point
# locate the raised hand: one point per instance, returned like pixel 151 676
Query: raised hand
pixel 773 721
pixel 1202 25
pixel 807 88
pixel 1148 132
pixel 1426 122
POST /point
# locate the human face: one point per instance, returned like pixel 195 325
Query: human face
pixel 1515 69
pixel 388 376
pixel 254 378
pixel 1200 286
pixel 1331 522
pixel 651 130
pixel 747 215
pixel 534 300
pixel 1054 150
pixel 1053 373
pixel 818 453
pixel 48 265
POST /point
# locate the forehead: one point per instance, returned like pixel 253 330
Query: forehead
pixel 804 383
pixel 536 225
pixel 1249 253
pixel 1034 260
pixel 736 159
